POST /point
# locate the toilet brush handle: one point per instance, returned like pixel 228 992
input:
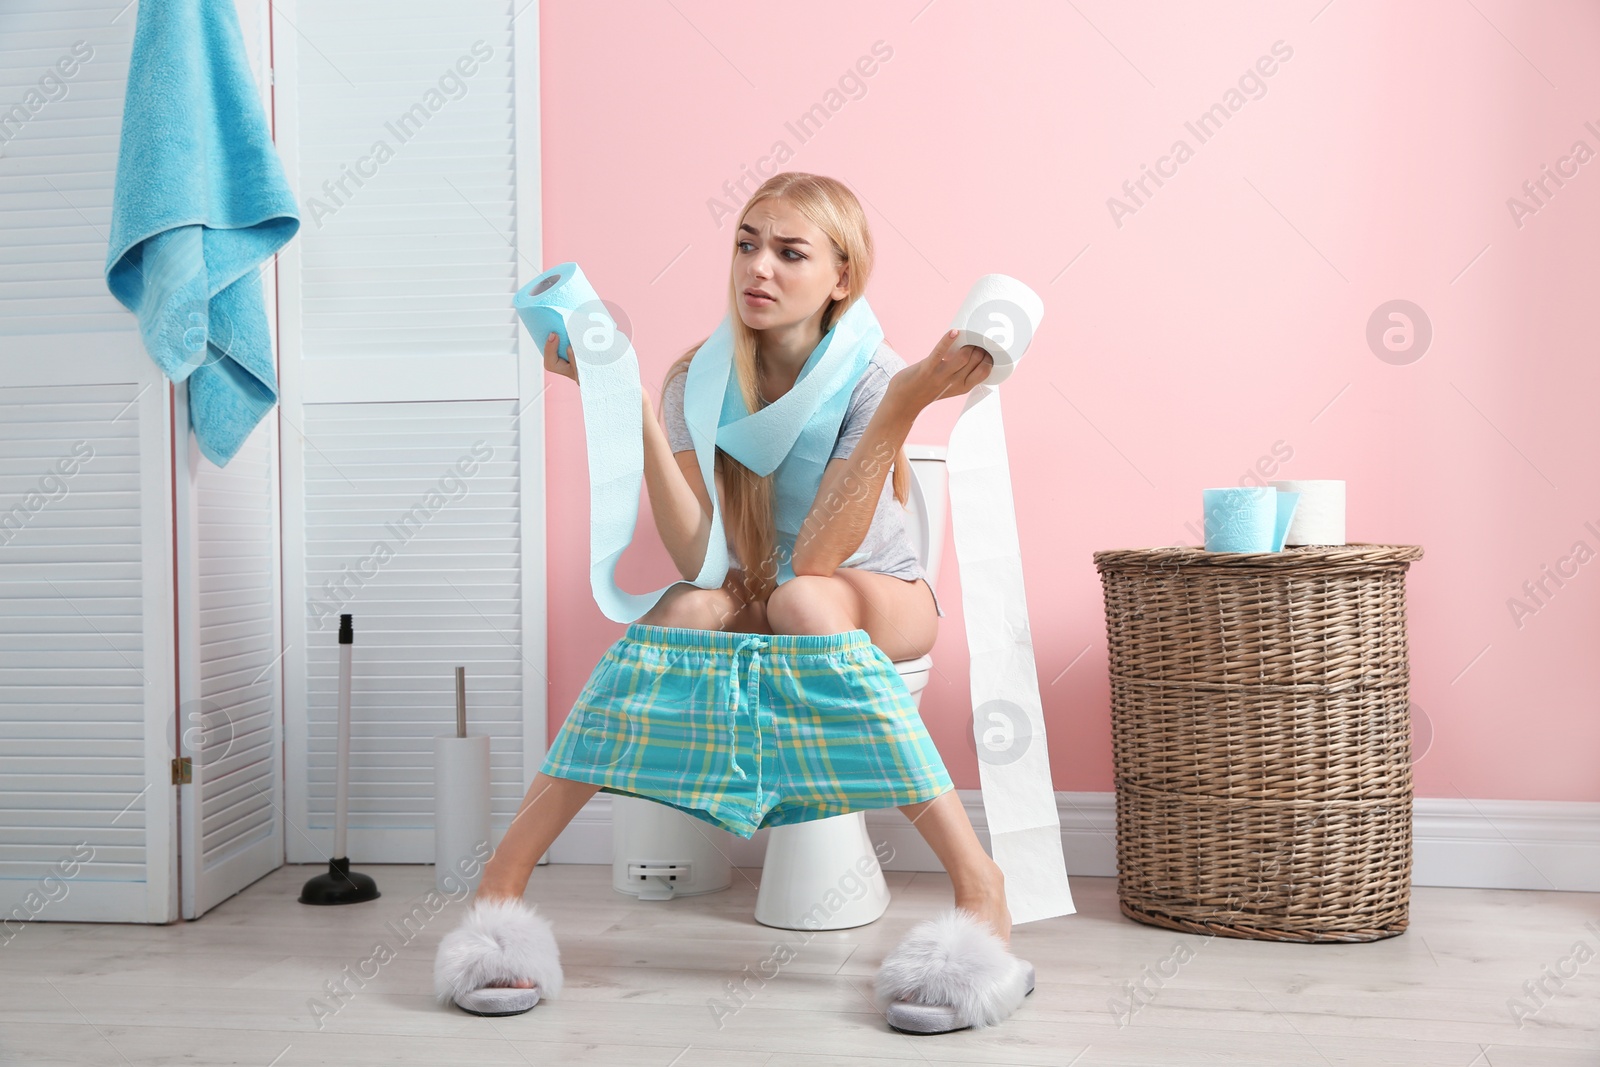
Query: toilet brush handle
pixel 341 812
pixel 461 702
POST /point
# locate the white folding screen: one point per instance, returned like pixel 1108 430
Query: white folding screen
pixel 412 427
pixel 87 812
pixel 139 586
pixel 140 595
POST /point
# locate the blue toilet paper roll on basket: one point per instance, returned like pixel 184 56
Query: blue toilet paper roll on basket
pixel 1248 518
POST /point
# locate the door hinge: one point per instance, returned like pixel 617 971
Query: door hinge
pixel 183 771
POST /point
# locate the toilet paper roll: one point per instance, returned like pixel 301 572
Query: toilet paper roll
pixel 1000 315
pixel 460 810
pixel 1319 520
pixel 1240 518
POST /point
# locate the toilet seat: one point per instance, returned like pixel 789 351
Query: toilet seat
pixel 914 672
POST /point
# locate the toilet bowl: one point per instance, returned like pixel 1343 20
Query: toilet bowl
pixel 805 861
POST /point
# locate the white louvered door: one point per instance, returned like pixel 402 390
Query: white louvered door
pixel 87 819
pixel 230 707
pixel 412 460
pixel 229 717
pixel 87 812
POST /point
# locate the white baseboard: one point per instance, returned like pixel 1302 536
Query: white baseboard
pixel 1506 844
pixel 1476 844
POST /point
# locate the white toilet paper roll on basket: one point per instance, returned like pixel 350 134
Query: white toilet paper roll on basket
pixel 1319 517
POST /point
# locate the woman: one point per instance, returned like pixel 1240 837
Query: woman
pixel 801 261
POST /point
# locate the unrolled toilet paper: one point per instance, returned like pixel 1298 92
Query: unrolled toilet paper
pixel 1319 520
pixel 1000 315
pixel 460 810
pixel 561 301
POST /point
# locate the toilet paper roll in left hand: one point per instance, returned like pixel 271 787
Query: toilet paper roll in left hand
pixel 460 810
pixel 561 301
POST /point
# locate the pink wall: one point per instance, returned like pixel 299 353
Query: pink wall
pixel 1225 315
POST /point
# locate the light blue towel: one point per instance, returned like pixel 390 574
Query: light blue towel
pixel 200 202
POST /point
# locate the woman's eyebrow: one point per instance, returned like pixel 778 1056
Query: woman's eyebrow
pixel 745 226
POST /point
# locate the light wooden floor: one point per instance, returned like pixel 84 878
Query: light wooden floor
pixel 238 986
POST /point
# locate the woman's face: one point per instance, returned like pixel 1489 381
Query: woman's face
pixel 785 257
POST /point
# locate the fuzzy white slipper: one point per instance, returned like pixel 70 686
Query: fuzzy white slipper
pixel 498 941
pixel 951 972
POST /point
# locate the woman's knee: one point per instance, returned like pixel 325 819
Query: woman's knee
pixel 692 608
pixel 808 604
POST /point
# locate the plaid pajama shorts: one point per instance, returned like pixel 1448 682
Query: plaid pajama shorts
pixel 745 730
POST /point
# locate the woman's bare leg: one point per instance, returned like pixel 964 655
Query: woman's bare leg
pixel 979 884
pixel 898 615
pixel 546 810
pixel 548 807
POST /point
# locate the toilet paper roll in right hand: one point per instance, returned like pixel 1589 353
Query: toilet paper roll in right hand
pixel 1319 519
pixel 999 316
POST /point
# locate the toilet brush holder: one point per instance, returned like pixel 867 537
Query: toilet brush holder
pixel 460 801
pixel 460 810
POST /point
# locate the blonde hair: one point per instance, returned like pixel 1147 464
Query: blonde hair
pixel 748 516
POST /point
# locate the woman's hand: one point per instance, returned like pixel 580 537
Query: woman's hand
pixel 567 368
pixel 948 371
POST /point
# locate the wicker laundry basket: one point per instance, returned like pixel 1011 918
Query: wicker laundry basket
pixel 1261 737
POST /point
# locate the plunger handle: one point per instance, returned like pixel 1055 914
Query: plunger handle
pixel 341 812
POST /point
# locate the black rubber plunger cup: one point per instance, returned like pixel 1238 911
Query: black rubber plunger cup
pixel 341 885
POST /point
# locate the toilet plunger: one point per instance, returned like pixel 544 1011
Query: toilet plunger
pixel 341 885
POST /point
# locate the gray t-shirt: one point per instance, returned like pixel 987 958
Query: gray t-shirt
pixel 887 544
